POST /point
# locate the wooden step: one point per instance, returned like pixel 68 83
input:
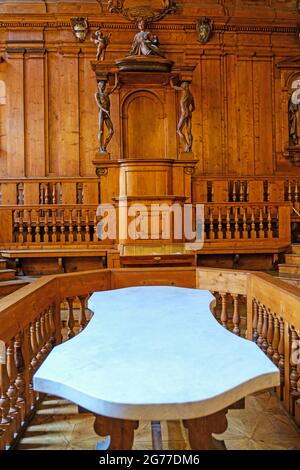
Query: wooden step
pixel 289 269
pixel 2 264
pixel 7 274
pixel 292 279
pixel 292 259
pixel 8 287
pixel 295 249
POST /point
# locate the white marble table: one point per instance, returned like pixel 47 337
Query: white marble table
pixel 155 353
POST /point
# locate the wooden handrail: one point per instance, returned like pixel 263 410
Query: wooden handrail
pixel 30 324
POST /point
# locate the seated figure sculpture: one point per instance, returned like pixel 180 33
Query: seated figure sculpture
pixel 144 42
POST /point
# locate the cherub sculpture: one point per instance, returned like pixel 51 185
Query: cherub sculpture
pixel 101 42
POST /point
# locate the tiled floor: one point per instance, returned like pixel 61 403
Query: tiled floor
pixel 262 425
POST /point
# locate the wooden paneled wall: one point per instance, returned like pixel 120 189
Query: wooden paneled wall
pixel 49 122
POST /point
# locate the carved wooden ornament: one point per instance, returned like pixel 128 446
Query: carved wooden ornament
pixel 150 10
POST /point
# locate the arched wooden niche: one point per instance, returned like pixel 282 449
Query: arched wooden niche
pixel 143 126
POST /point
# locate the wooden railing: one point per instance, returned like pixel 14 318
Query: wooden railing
pixel 46 191
pixel 247 189
pixel 32 321
pixel 49 224
pixel 239 221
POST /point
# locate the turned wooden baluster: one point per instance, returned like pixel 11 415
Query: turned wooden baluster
pixel 20 382
pixel 37 228
pixel 29 227
pixel 270 233
pixel 234 191
pixel 44 349
pixel 236 315
pixel 289 191
pixel 46 228
pixel 79 235
pixel 296 199
pixel 53 334
pixel 236 224
pixel 281 356
pixel 4 399
pixel 71 320
pixel 82 319
pixel 21 229
pixel 29 394
pixel 34 346
pixel 259 326
pixel 264 344
pixel 12 391
pixel 39 355
pixel 48 332
pixel 294 375
pixel 261 224
pixel 270 335
pixel 54 193
pixel 220 231
pixel 62 227
pixel 245 228
pixel 253 230
pixel 275 342
pixel 95 236
pixel 254 320
pixel 46 194
pixel 54 228
pixel 87 226
pixel 71 235
pixel 228 230
pixel 224 316
pixel 242 191
pixel 211 223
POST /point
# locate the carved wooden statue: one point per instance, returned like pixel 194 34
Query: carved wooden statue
pixel 144 42
pixel 103 102
pixel 294 116
pixel 102 42
pixel 187 105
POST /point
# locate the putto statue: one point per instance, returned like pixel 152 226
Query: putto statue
pixel 187 105
pixel 101 42
pixel 103 103
pixel 144 42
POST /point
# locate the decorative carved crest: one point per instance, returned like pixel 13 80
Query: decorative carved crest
pixel 150 10
pixel 80 28
pixel 204 29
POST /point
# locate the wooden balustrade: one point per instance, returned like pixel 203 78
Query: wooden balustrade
pixel 255 305
pixel 54 224
pixel 247 189
pixel 241 221
pixel 48 191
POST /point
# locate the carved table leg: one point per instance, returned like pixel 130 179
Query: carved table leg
pixel 200 431
pixel 120 431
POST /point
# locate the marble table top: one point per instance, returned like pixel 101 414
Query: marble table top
pixel 155 353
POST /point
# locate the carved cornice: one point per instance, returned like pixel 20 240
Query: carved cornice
pixel 174 26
